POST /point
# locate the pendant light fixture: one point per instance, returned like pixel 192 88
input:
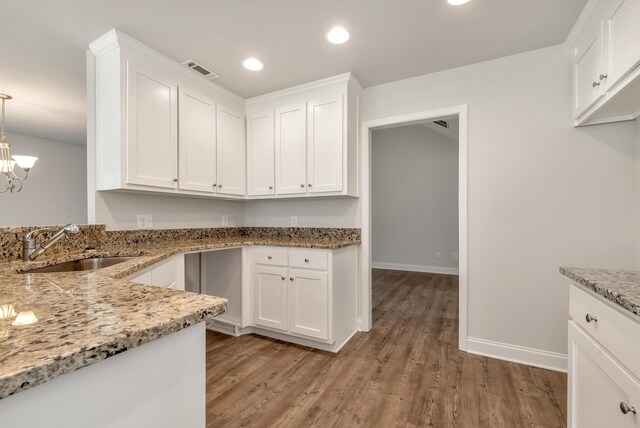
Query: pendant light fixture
pixel 10 178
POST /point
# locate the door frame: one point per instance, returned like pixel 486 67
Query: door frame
pixel 366 310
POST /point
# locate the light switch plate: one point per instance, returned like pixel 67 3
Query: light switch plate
pixel 145 221
pixel 294 221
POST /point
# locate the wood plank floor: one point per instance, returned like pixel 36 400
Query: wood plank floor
pixel 406 372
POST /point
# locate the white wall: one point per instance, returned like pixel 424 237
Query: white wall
pixel 336 212
pixel 414 198
pixel 119 211
pixel 55 192
pixel 540 193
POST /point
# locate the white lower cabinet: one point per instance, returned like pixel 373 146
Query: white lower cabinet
pixel 309 303
pixel 306 296
pixel 270 297
pixel 604 390
pixel 168 273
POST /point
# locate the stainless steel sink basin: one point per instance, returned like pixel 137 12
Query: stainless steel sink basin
pixel 93 263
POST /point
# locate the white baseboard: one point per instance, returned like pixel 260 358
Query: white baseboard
pixel 518 354
pixel 415 268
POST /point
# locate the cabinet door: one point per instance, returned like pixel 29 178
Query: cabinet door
pixel 587 68
pixel 231 153
pixel 152 118
pixel 622 24
pixel 325 151
pixel 309 303
pixel 261 153
pixel 599 388
pixel 270 297
pixel 197 141
pixel 291 150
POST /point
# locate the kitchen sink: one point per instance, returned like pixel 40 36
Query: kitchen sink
pixel 93 263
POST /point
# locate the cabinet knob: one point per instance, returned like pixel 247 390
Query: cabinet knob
pixel 269 257
pixel 624 408
pixel 306 260
pixel 283 278
pixel 309 184
pixel 270 187
pixel 219 185
pixel 215 184
pixel 590 318
pixel 603 76
pixel 596 84
pixel 302 185
pixel 175 180
pixel 291 278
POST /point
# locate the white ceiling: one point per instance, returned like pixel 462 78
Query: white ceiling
pixel 43 42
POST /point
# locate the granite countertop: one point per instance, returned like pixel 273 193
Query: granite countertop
pixel 622 287
pixel 86 317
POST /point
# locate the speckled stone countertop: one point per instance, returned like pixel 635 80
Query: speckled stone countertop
pixel 621 287
pixel 86 317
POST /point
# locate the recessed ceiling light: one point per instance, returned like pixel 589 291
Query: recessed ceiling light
pixel 337 35
pixel 252 64
pixel 457 2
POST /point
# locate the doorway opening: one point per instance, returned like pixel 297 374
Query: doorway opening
pixel 414 203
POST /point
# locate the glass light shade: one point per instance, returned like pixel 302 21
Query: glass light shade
pixel 25 318
pixel 25 162
pixel 7 311
pixel 7 165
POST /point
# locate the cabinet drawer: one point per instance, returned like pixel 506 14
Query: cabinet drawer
pixel 616 332
pixel 601 392
pixel 271 256
pixel 310 259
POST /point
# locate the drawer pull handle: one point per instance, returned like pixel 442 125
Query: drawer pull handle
pixel 624 408
pixel 269 257
pixel 291 278
pixel 306 260
pixel 590 318
pixel 283 278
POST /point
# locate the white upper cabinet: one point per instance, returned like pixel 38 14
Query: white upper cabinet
pixel 587 68
pixel 325 144
pixel 622 24
pixel 231 153
pixel 159 127
pixel 291 149
pixel 197 141
pixel 607 64
pixel 152 137
pixel 316 139
pixel 261 154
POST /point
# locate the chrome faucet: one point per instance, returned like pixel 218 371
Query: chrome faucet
pixel 30 251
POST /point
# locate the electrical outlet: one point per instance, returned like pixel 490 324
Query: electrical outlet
pixel 145 221
pixel 438 254
pixel 225 220
pixel 455 255
pixel 294 221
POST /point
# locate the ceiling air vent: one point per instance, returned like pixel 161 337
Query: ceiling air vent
pixel 203 71
pixel 442 123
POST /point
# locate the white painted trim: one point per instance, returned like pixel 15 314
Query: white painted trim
pixel 415 268
pixel 340 78
pixel 583 20
pixel 366 321
pixel 518 354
